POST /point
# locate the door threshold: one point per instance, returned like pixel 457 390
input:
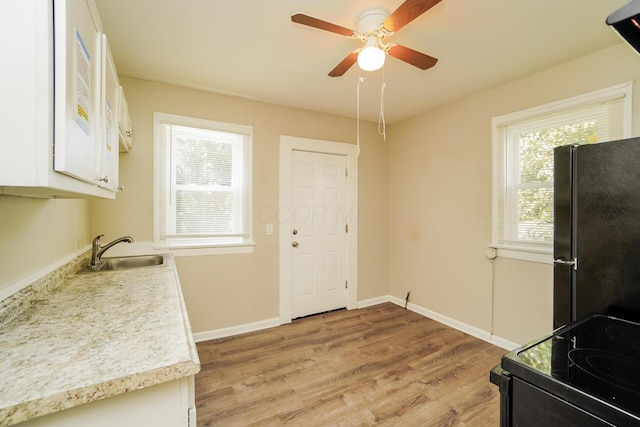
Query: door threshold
pixel 318 314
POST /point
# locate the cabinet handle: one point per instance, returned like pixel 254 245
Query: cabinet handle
pixel 121 188
pixel 104 179
pixel 129 133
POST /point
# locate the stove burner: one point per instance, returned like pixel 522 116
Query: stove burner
pixel 627 334
pixel 617 370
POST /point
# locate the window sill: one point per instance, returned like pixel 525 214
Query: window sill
pixel 540 255
pixel 241 248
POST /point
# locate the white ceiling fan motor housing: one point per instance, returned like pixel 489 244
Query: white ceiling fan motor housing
pixel 370 20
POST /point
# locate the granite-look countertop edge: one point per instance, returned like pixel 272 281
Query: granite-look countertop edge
pixel 193 349
pixel 99 335
pixel 54 403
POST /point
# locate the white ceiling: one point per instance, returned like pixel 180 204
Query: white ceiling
pixel 251 49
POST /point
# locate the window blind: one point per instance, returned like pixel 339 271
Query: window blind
pixel 203 182
pixel 524 153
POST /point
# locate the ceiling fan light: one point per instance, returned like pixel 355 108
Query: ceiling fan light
pixel 371 57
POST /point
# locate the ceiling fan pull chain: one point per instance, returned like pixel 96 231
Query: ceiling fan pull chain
pixel 382 126
pixel 360 80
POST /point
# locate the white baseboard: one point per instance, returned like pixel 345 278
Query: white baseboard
pixel 373 301
pixel 236 330
pixel 506 344
pixel 456 324
pixel 445 320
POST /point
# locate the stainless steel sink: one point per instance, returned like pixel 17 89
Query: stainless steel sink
pixel 128 262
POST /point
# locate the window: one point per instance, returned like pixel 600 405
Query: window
pixel 202 183
pixel 523 144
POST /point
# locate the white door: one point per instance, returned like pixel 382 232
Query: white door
pixel 318 233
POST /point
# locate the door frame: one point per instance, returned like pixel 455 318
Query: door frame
pixel 288 144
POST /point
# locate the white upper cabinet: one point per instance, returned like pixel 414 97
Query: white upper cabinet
pixel 126 129
pixel 109 115
pixel 78 86
pixel 60 134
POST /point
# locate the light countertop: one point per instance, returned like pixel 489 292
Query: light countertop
pixel 94 336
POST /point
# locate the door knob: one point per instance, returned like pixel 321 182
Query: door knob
pixel 294 244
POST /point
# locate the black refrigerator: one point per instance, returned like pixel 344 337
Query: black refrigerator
pixel 596 231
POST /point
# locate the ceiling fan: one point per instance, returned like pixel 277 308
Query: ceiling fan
pixel 373 26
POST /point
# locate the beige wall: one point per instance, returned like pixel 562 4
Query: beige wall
pixel 230 290
pixel 36 233
pixel 440 201
pixel 425 205
pixel 523 299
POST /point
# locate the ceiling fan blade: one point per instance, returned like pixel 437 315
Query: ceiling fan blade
pixel 412 57
pixel 407 12
pixel 343 66
pixel 323 25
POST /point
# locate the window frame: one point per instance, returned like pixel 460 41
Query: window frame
pixel 199 245
pixel 540 252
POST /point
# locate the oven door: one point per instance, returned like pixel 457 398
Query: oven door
pixel 524 405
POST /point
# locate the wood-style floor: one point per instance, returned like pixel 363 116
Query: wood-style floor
pixel 381 365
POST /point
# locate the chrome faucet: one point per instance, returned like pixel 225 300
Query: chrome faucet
pixel 97 251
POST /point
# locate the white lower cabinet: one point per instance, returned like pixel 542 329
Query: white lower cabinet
pixel 53 117
pixel 170 404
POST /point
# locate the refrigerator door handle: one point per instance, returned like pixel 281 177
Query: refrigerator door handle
pixel 573 262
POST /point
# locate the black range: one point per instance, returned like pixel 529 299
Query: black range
pixel 585 374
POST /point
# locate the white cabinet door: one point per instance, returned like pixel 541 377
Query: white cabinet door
pixel 109 120
pixel 126 129
pixel 26 92
pixel 28 147
pixel 78 73
pixel 162 405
